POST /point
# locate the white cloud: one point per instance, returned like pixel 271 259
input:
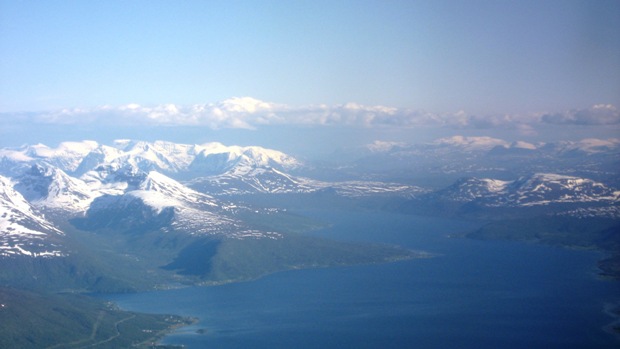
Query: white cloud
pixel 600 114
pixel 250 113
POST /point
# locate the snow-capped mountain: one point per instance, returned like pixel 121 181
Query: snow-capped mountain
pixel 444 160
pixel 131 183
pixel 48 187
pixel 470 189
pixel 251 181
pixel 78 158
pixel 485 144
pixel 160 202
pixel 159 156
pixel 470 143
pixel 23 232
pixel 273 181
pixel 156 182
pixel 179 159
pixel 533 190
pixel 67 156
pixel 588 146
pixel 124 185
pixel 545 188
pixel 216 158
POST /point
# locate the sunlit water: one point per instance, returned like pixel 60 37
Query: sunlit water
pixel 474 294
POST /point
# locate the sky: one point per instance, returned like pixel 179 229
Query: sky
pixel 250 70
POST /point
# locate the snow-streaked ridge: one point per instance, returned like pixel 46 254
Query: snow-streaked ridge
pixel 273 181
pixel 78 158
pixel 48 187
pixel 22 231
pixel 157 182
pixel 534 190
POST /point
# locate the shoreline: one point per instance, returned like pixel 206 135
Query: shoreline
pixel 155 340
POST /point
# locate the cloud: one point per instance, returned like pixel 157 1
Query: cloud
pixel 600 114
pixel 251 113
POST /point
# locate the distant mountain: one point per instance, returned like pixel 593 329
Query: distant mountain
pixel 472 189
pixel 485 144
pixel 67 156
pixel 179 160
pixel 165 204
pixel 545 188
pixel 216 158
pixel 470 143
pixel 157 156
pixel 441 162
pixel 536 189
pixel 273 181
pixel 540 194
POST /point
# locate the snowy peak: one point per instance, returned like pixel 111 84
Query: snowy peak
pixel 469 189
pixel 585 146
pixel 496 146
pixel 182 160
pixel 67 156
pixel 159 155
pixel 139 155
pixel 218 159
pixel 172 190
pixel 273 181
pixel 471 143
pixel 159 202
pixel 533 190
pixel 97 157
pixel 383 147
pixel 590 146
pixel 22 231
pixel 48 187
pixel 545 188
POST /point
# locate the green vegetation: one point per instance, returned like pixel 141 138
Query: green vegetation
pixel 169 255
pixel 65 321
pixel 234 260
pixel 590 233
pixel 41 302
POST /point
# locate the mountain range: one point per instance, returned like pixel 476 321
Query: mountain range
pixel 439 163
pixel 174 210
pixel 534 190
pixel 130 184
pixel 137 215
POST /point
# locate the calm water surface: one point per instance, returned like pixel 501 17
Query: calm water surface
pixel 474 294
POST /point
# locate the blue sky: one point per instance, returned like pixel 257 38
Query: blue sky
pixel 487 59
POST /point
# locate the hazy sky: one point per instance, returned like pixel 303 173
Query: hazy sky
pixel 443 61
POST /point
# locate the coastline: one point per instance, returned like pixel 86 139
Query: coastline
pixel 155 340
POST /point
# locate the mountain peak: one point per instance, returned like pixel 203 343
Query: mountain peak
pixel 22 231
pixel 49 187
pixel 533 190
pixel 472 143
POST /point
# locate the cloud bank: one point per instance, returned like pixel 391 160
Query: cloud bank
pixel 251 113
pixel 600 114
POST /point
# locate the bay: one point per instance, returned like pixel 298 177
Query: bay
pixel 472 294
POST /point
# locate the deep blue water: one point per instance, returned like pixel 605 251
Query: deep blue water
pixel 474 294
